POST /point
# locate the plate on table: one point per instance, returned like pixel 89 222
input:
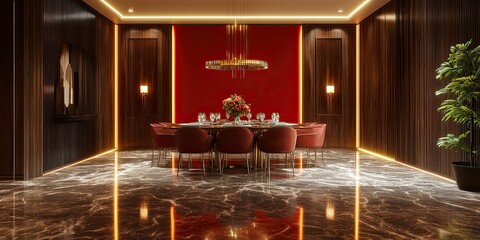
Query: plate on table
pixel 191 124
pixel 285 124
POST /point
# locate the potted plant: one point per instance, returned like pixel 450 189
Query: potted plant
pixel 462 106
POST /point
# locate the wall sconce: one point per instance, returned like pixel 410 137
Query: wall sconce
pixel 144 89
pixel 330 89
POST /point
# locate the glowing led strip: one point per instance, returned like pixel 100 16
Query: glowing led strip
pixel 357 88
pixel 404 164
pixel 81 161
pixel 116 87
pixel 173 75
pixel 300 75
pixel 160 17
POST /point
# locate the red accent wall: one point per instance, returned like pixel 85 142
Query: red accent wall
pixel 201 90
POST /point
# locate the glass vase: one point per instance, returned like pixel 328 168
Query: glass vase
pixel 236 120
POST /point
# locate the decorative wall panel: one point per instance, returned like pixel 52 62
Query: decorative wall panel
pixel 402 44
pixel 328 72
pixel 325 61
pixel 145 53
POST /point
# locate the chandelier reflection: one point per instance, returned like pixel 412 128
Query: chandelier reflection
pixel 237 60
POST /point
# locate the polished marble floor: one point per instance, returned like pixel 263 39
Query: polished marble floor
pixel 348 195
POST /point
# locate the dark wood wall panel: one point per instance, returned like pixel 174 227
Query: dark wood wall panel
pixel 401 46
pixel 31 90
pixel 144 59
pixel 105 57
pixel 377 79
pixel 68 141
pixel 328 58
pixel 6 90
pixel 340 127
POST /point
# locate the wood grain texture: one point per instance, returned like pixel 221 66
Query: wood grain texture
pixel 340 127
pixel 401 46
pixel 69 141
pixel 32 89
pixel 144 58
pixel 328 58
pixel 6 90
pixel 105 56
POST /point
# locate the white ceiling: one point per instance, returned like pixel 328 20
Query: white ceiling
pixel 247 11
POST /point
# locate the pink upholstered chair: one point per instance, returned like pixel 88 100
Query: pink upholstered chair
pixel 190 140
pixel 312 137
pixel 163 139
pixel 234 140
pixel 278 140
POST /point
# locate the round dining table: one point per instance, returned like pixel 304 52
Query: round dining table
pixel 258 127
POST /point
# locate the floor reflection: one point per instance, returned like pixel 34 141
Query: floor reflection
pixel 349 195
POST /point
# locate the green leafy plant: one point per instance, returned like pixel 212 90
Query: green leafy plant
pixel 462 68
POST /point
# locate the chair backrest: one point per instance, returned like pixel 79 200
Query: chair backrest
pixel 321 129
pixel 235 140
pixel 311 137
pixel 307 124
pixel 278 140
pixel 192 140
pixel 162 137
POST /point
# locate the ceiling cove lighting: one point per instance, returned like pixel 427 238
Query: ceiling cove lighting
pixel 259 17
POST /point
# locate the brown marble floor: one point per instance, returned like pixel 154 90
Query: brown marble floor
pixel 347 196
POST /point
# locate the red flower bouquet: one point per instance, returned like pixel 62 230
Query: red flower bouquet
pixel 235 106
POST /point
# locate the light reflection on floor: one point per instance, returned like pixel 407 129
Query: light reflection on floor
pixel 348 195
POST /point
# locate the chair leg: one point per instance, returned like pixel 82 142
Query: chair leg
pixel 179 165
pixel 267 164
pixel 321 150
pixel 153 154
pixel 248 163
pixel 211 155
pixel 225 160
pixel 292 156
pixel 160 155
pixel 203 163
pixel 165 157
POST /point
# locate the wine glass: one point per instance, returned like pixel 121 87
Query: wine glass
pixel 212 117
pixel 217 116
pixel 262 116
pixel 227 115
pixel 199 117
pixel 249 115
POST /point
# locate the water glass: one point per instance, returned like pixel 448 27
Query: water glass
pixel 249 115
pixel 212 117
pixel 275 117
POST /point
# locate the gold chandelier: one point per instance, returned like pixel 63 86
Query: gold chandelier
pixel 236 52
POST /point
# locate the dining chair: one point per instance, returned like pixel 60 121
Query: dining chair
pixel 278 140
pixel 235 140
pixel 312 137
pixel 192 140
pixel 163 139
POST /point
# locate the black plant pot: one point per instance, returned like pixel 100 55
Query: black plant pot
pixel 468 178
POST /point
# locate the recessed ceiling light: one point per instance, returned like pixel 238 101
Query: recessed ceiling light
pixel 131 10
pixel 340 10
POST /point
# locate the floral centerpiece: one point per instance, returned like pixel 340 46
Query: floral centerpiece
pixel 235 106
